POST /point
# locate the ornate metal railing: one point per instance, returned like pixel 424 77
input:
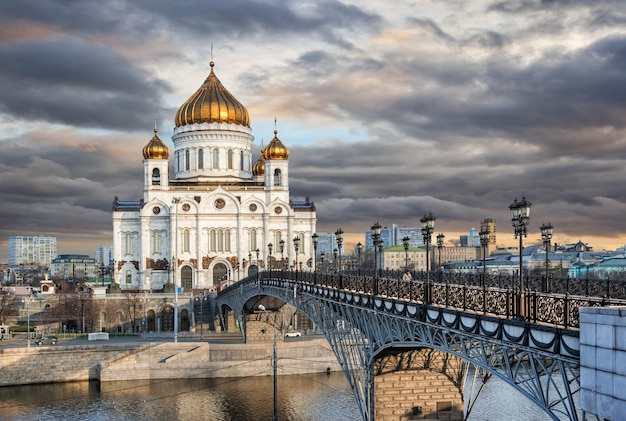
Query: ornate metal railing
pixel 553 303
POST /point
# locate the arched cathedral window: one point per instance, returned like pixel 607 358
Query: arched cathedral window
pixel 277 177
pixel 216 158
pixel 186 241
pixel 213 240
pixel 156 177
pixel 230 159
pixel 128 243
pixel 200 159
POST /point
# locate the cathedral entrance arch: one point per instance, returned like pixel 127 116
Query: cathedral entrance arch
pixel 167 319
pixel 151 319
pixel 219 273
pixel 254 269
pixel 186 278
pixel 184 320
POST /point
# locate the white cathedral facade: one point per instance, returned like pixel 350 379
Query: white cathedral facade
pixel 214 220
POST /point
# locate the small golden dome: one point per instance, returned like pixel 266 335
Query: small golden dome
pixel 156 149
pixel 212 103
pixel 275 149
pixel 259 166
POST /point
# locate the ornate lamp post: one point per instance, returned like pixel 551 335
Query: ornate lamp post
pixel 322 256
pixel 546 236
pixel 315 238
pixel 406 242
pixel 281 247
pixel 359 248
pixel 335 252
pixel 375 237
pixel 484 242
pixel 339 239
pixel 175 201
pixel 440 238
pixel 296 246
pixel 428 225
pixel 520 217
pixel 270 246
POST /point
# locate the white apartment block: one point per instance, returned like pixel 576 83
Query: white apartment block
pixel 37 249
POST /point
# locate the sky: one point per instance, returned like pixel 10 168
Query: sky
pixel 390 109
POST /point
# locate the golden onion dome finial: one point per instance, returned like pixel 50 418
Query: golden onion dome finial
pixel 275 150
pixel 212 103
pixel 155 149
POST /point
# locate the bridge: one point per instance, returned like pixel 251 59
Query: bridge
pixel 376 323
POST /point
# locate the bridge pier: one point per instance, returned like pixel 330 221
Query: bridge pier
pixel 418 384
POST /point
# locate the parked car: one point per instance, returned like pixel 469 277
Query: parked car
pixel 50 340
pixel 293 334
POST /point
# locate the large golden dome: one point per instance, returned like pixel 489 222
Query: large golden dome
pixel 275 149
pixel 156 149
pixel 212 103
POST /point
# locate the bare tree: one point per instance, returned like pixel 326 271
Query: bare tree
pixel 8 305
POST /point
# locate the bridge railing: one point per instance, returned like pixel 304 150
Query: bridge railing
pixel 490 294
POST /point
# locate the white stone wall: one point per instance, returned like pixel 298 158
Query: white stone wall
pixel 603 361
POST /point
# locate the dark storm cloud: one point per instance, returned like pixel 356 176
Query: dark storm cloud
pixel 63 181
pixel 75 82
pixel 269 18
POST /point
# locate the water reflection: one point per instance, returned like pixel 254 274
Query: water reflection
pixel 307 397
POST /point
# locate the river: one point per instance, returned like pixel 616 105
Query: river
pixel 314 397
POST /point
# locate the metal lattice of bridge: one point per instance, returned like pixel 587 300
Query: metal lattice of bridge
pixel 472 318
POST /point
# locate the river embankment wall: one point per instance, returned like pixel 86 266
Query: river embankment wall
pixel 158 360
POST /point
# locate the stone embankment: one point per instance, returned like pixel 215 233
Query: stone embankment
pixel 159 360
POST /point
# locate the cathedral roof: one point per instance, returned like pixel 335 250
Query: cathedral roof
pixel 275 149
pixel 156 149
pixel 212 103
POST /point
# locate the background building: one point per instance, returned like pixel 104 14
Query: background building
pixel 35 249
pixel 104 255
pixel 74 267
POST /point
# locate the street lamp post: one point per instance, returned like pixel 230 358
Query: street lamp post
pixel 322 256
pixel 27 301
pixel 520 217
pixel 428 225
pixel 484 242
pixel 339 239
pixel 175 201
pixel 359 248
pixel 296 246
pixel 375 238
pixel 440 238
pixel 315 238
pixel 335 252
pixel 281 247
pixel 546 236
pixel 274 365
pixel 406 242
pixel 201 299
pixel 270 246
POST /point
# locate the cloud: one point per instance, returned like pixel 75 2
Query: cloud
pixel 389 111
